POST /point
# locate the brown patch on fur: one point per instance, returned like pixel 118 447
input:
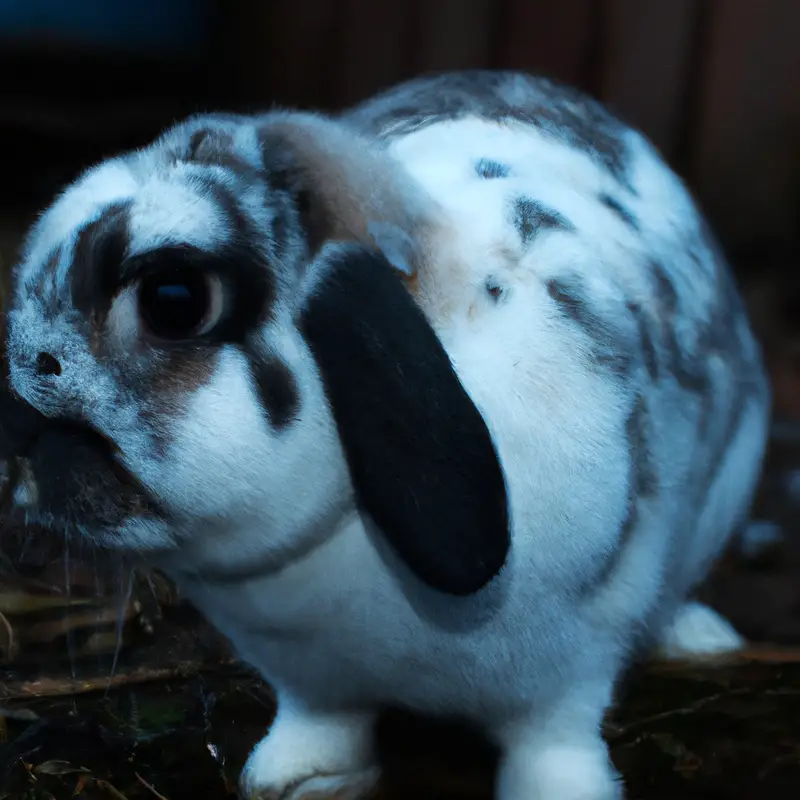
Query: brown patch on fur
pixel 347 186
pixel 186 372
pixel 346 182
pixel 164 382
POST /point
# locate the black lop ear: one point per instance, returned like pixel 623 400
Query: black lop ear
pixel 421 457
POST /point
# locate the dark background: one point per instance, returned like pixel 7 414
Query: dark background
pixel 714 83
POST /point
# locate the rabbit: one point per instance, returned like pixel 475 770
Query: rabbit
pixel 445 402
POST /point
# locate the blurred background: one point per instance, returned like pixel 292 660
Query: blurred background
pixel 714 83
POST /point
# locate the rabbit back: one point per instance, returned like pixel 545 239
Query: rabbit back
pixel 594 319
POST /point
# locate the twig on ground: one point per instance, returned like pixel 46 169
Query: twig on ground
pixel 64 687
pixel 150 788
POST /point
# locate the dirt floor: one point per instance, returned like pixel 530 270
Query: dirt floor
pixel 181 729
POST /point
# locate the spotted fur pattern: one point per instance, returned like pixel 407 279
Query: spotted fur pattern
pixel 589 317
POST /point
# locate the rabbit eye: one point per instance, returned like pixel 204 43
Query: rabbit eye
pixel 180 303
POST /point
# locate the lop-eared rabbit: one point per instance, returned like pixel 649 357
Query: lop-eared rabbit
pixel 445 403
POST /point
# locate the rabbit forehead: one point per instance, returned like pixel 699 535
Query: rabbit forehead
pixel 177 209
pixel 143 208
pixel 110 182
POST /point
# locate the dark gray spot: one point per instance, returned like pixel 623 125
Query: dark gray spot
pixel 494 289
pixel 688 369
pixel 570 300
pixel 642 485
pixel 245 231
pixel 620 210
pixel 530 218
pixel 611 350
pixel 276 386
pixel 97 261
pixel 644 476
pixel 217 148
pixel 664 289
pixel 486 168
pixel 649 353
pixel 205 143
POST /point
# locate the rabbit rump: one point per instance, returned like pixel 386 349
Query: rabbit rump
pixel 444 403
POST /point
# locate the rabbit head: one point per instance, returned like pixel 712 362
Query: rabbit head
pixel 215 354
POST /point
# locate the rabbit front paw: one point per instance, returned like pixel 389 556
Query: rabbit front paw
pixel 356 786
pixel 578 770
pixel 312 757
pixel 558 752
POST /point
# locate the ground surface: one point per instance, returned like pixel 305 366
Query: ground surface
pixel 712 733
pixel 116 690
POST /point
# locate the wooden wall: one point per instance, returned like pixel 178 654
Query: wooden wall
pixel 714 83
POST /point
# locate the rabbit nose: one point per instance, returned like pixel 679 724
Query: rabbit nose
pixel 47 364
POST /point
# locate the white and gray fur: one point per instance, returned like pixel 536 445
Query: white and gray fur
pixel 588 314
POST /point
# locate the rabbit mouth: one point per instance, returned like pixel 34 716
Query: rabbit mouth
pixel 70 475
pixel 65 474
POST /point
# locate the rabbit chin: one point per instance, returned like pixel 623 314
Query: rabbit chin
pixel 71 481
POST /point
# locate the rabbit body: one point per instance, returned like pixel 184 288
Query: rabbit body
pixel 592 321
